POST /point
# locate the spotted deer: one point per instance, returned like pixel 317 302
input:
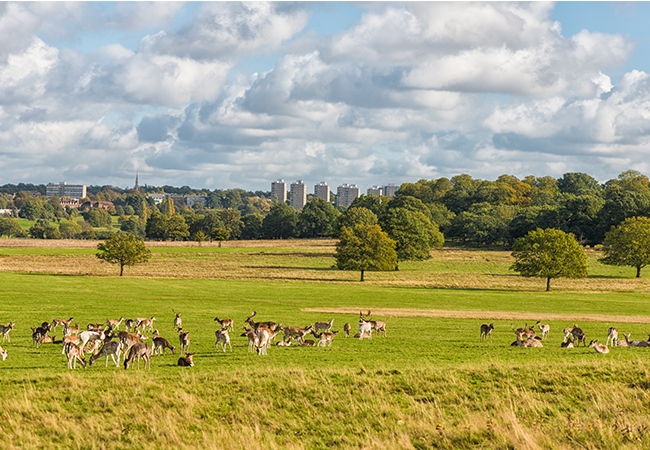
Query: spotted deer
pixel 599 348
pixel 226 323
pixel 486 331
pixel 5 329
pixel 187 360
pixel 139 350
pixel 222 338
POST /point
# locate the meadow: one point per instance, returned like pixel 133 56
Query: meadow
pixel 429 384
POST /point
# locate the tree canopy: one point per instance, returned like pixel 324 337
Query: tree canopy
pixel 549 254
pixel 628 244
pixel 365 247
pixel 123 249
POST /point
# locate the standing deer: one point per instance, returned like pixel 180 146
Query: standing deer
pixel 364 327
pixel 324 326
pixel 3 353
pixel 139 350
pixel 579 335
pixel 5 329
pixel 160 344
pixel 184 339
pixel 222 338
pixel 112 349
pixel 256 325
pixel 545 329
pixel 178 322
pixel 226 323
pixel 346 329
pixel 613 335
pixel 486 330
pixel 252 338
pixel 74 353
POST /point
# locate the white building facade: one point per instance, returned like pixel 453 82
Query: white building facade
pixel 298 195
pixel 74 191
pixel 279 191
pixel 346 193
pixel 322 190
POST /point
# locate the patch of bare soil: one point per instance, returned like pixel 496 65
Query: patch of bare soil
pixel 483 315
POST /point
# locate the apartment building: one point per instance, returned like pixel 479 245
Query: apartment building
pixel 322 190
pixel 279 191
pixel 346 193
pixel 375 190
pixel 298 195
pixel 74 191
pixel 390 190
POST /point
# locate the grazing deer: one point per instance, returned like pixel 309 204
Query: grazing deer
pixel 324 326
pixel 144 323
pixel 3 353
pixel 326 338
pixel 222 338
pixel 364 327
pixel 178 322
pixel 252 338
pixel 635 343
pixel 486 330
pixel 62 322
pixel 226 323
pixel 160 344
pixel 257 325
pixel 187 360
pixel 613 335
pixel 5 329
pixel 37 335
pixel 264 337
pixel 96 327
pixel 74 353
pixel 599 348
pixel 138 350
pixel 113 324
pixel 130 325
pixel 579 335
pixel 568 343
pixel 184 339
pixel 297 332
pixel 346 329
pixel 112 349
pixel 545 329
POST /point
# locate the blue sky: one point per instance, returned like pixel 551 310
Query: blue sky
pixel 224 95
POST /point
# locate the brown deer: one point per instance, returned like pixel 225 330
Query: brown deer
pixel 226 323
pixel 187 360
pixel 486 330
pixel 139 350
pixel 184 339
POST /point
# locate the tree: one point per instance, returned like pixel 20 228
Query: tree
pixel 69 229
pixel 157 225
pixel 177 228
pixel 43 230
pixel 167 207
pixel 281 222
pixel 549 254
pixel 365 247
pixel 123 249
pixel 10 227
pixel 628 244
pixel 317 219
pixel 356 216
pixel 199 237
pixel 220 234
pixel 413 233
pixel 252 226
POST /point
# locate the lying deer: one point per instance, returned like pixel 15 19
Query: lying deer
pixel 599 348
pixel 187 360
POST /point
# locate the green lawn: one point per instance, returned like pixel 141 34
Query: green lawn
pixel 429 384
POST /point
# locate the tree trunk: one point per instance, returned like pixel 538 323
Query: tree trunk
pixel 121 269
pixel 219 244
pixel 361 274
pixel 638 272
pixel 548 284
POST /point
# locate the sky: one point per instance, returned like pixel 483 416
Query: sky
pixel 224 95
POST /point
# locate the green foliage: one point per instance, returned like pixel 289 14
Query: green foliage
pixel 157 225
pixel 42 229
pixel 483 224
pixel 231 220
pixel 628 244
pixel 317 219
pixel 10 227
pixel 414 234
pixel 549 254
pixel 252 226
pixel 375 204
pixel 32 209
pixel 578 183
pixel 97 217
pixel 135 226
pixel 123 249
pixel 365 247
pixel 167 207
pixel 220 234
pixel 281 222
pixel 356 216
pixel 177 229
pixel 70 229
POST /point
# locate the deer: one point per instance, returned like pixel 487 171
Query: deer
pixel 612 335
pixel 635 343
pixel 568 343
pixel 308 343
pixel 129 324
pixel 184 339
pixel 160 344
pixel 64 323
pixel 143 323
pixel 346 329
pixel 297 332
pixel 486 330
pixel 324 326
pixel 97 327
pixel 226 323
pixel 3 353
pixel 599 348
pixel 187 360
pixel 222 338
pixel 365 335
pixel 178 322
pixel 252 338
pixel 256 325
pixel 364 327
pixel 377 325
pixel 69 330
pixel 326 338
pixel 285 343
pixel 37 335
pixel 74 353
pixel 545 329
pixel 579 335
pixel 264 336
pixel 5 329
pixel 91 336
pixel 567 333
pixel 526 332
pixel 112 349
pixel 113 324
pixel 69 339
pixel 139 350
pixel 530 342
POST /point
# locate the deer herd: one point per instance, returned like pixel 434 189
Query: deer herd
pixel 573 336
pixel 106 340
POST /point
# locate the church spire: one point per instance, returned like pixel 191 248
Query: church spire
pixel 137 187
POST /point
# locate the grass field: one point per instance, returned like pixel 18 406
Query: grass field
pixel 429 384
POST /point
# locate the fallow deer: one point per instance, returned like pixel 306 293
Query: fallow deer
pixel 264 337
pixel 257 325
pixel 568 343
pixel 64 323
pixel 486 331
pixel 139 350
pixel 579 335
pixel 74 353
pixel 129 324
pixel 3 353
pixel 326 338
pixel 599 348
pixel 346 329
pixel 222 338
pixel 187 360
pixel 252 338
pixel 612 335
pixel 160 344
pixel 5 329
pixel 545 329
pixel 112 349
pixel 144 323
pixel 113 324
pixel 635 343
pixel 364 327
pixel 226 323
pixel 184 339
pixel 324 326
pixel 297 332
pixel 178 322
